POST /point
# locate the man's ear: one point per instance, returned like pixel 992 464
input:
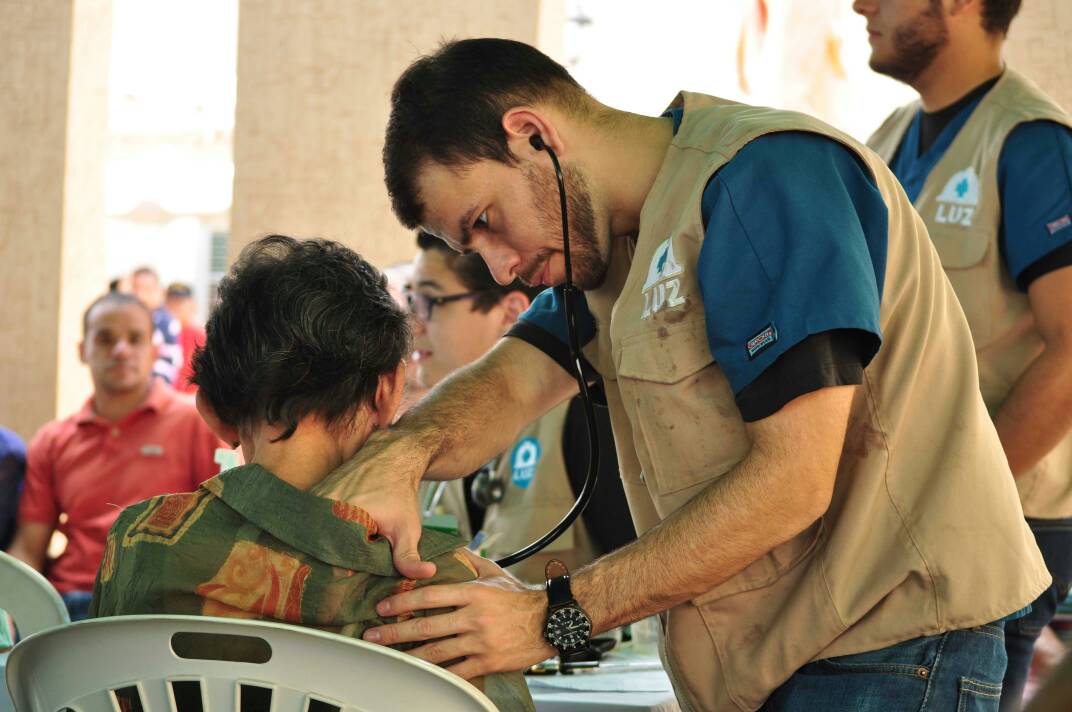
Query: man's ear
pixel 523 122
pixel 513 305
pixel 226 433
pixel 388 396
pixel 82 351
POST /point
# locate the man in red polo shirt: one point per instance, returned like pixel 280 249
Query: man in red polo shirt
pixel 133 439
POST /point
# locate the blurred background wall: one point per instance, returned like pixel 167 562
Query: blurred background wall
pixel 170 133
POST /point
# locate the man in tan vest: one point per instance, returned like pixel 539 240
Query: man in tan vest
pixel 826 521
pixel 459 314
pixel 986 158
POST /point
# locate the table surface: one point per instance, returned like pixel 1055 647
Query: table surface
pixel 626 681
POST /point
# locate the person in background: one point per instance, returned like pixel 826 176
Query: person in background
pixel 398 275
pixel 986 157
pixel 460 313
pixel 145 285
pixel 303 362
pixel 12 472
pixel 180 303
pixel 134 438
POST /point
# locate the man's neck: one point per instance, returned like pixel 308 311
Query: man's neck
pixel 624 155
pixel 113 406
pixel 955 72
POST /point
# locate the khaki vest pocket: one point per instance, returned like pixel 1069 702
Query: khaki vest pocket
pixel 960 248
pixel 686 425
pixel 770 567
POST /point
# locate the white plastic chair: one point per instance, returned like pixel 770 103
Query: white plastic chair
pixel 32 603
pixel 29 598
pixel 162 663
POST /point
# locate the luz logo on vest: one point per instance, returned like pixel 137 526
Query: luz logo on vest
pixel 959 199
pixel 662 288
pixel 523 461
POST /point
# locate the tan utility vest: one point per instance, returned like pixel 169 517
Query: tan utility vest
pixel 961 206
pixel 538 494
pixel 924 533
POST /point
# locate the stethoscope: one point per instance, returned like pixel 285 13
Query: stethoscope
pixel 568 294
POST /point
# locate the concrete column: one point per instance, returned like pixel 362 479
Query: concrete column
pixel 54 58
pixel 314 80
pixel 1038 46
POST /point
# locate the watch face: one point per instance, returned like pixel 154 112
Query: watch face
pixel 568 628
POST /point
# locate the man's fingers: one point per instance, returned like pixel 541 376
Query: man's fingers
pixel 417 629
pixel 470 668
pixel 404 550
pixel 442 651
pixel 442 596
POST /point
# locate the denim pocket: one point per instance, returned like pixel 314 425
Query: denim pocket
pixel 912 658
pixel 977 696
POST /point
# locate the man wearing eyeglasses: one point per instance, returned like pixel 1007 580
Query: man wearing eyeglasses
pixel 460 313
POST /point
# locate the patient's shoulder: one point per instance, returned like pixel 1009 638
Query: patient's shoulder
pixel 452 567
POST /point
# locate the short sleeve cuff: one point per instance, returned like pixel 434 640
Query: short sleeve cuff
pixel 824 360
pixel 551 345
pixel 1051 262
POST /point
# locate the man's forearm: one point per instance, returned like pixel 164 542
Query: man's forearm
pixel 465 421
pixel 1038 412
pixel 709 540
pixel 781 487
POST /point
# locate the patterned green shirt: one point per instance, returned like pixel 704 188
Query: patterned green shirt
pixel 248 545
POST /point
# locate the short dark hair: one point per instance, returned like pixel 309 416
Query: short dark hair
pixel 998 15
pixel 302 327
pixel 179 290
pixel 473 272
pixel 447 107
pixel 146 270
pixel 117 299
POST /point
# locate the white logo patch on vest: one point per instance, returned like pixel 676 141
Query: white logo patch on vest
pixel 523 461
pixel 959 199
pixel 662 288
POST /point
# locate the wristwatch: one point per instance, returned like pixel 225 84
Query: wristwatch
pixel 568 627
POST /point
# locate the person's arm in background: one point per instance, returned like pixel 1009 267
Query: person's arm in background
pixel 30 544
pixel 38 506
pixel 1037 415
pixel 12 473
pixel 1035 180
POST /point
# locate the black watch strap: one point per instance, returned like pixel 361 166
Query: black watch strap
pixel 558 584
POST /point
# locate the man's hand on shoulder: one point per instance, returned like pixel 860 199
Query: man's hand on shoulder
pixel 382 479
pixel 496 624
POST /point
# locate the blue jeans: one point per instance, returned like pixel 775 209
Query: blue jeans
pixel 960 670
pixel 77 603
pixel 1054 539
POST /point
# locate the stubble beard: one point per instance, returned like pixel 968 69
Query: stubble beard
pixel 589 263
pixel 915 43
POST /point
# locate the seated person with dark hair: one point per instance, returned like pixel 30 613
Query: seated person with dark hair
pixel 303 361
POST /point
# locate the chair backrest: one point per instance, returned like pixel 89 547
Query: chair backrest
pixel 191 664
pixel 29 598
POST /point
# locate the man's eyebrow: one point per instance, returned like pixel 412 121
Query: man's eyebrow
pixel 430 283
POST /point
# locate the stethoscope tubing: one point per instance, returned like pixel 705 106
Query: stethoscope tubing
pixel 568 291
